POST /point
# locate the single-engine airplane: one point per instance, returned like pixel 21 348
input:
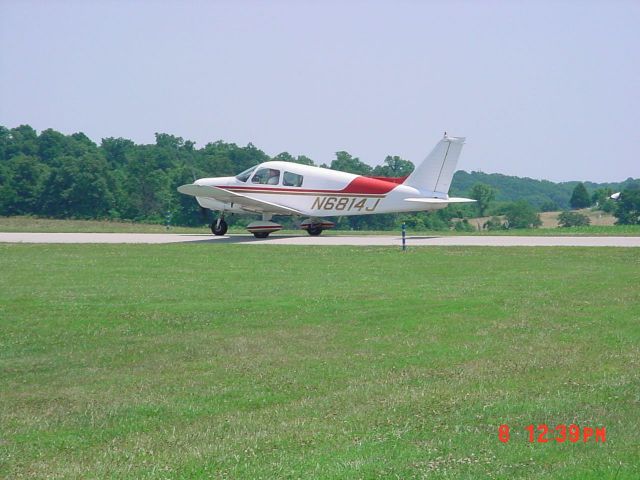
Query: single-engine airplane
pixel 285 188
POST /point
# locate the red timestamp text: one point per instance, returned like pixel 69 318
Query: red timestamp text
pixel 559 434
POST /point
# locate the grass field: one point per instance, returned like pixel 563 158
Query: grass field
pixel 49 225
pixel 202 361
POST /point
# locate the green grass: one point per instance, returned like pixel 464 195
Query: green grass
pixel 49 225
pixel 221 361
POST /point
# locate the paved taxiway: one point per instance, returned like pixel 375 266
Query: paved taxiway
pixel 354 240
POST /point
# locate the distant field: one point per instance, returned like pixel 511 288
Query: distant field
pixel 550 219
pixel 33 224
pixel 218 361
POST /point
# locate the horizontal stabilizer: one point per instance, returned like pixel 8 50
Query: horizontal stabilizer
pixel 440 200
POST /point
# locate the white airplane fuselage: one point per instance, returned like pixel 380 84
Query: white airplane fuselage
pixel 284 188
pixel 323 192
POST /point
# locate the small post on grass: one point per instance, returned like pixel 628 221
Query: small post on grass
pixel 404 236
pixel 167 218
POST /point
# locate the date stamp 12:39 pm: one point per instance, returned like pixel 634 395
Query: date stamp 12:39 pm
pixel 559 434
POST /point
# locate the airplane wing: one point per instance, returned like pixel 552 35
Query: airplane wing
pixel 248 203
pixel 440 200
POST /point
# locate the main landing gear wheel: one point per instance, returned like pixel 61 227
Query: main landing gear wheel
pixel 314 230
pixel 261 234
pixel 219 228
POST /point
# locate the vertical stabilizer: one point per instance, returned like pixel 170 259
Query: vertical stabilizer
pixel 435 173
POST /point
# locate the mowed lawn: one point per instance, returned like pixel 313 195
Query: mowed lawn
pixel 255 361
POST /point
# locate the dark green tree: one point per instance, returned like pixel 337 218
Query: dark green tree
pixel 628 208
pixel 52 145
pixel 117 150
pixel 522 215
pixel 22 139
pixel 284 157
pixel 346 163
pixel 22 180
pixel 484 195
pixel 580 197
pixel 287 157
pixel 5 140
pixel 165 140
pixel 601 195
pixel 549 206
pixel 393 166
pixel 304 160
pixel 79 188
pixel 147 185
pixel 601 198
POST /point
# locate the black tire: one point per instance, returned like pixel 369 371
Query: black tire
pixel 219 229
pixel 314 230
pixel 261 234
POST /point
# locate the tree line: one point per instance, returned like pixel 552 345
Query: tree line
pixel 70 176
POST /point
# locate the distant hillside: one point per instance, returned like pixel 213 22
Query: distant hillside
pixel 535 192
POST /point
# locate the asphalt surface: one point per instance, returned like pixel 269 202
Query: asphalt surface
pixel 303 239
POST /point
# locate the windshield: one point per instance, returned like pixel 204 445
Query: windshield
pixel 244 176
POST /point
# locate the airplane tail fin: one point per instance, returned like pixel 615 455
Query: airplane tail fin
pixel 435 173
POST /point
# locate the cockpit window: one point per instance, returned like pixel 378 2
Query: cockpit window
pixel 244 176
pixel 267 176
pixel 292 179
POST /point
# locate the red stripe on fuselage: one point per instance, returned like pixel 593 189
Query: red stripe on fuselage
pixel 371 186
pixel 398 180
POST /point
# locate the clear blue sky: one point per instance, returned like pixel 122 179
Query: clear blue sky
pixel 541 89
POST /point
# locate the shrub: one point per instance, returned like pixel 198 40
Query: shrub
pixel 573 219
pixel 463 226
pixel 494 223
pixel 522 215
pixel 607 206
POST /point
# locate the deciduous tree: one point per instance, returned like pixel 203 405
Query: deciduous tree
pixel 580 197
pixel 484 195
pixel 346 163
pixel 628 209
pixel 522 215
pixel 393 166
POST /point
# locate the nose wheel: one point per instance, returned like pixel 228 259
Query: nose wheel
pixel 219 227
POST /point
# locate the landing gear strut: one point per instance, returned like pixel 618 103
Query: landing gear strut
pixel 219 227
pixel 262 229
pixel 315 226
